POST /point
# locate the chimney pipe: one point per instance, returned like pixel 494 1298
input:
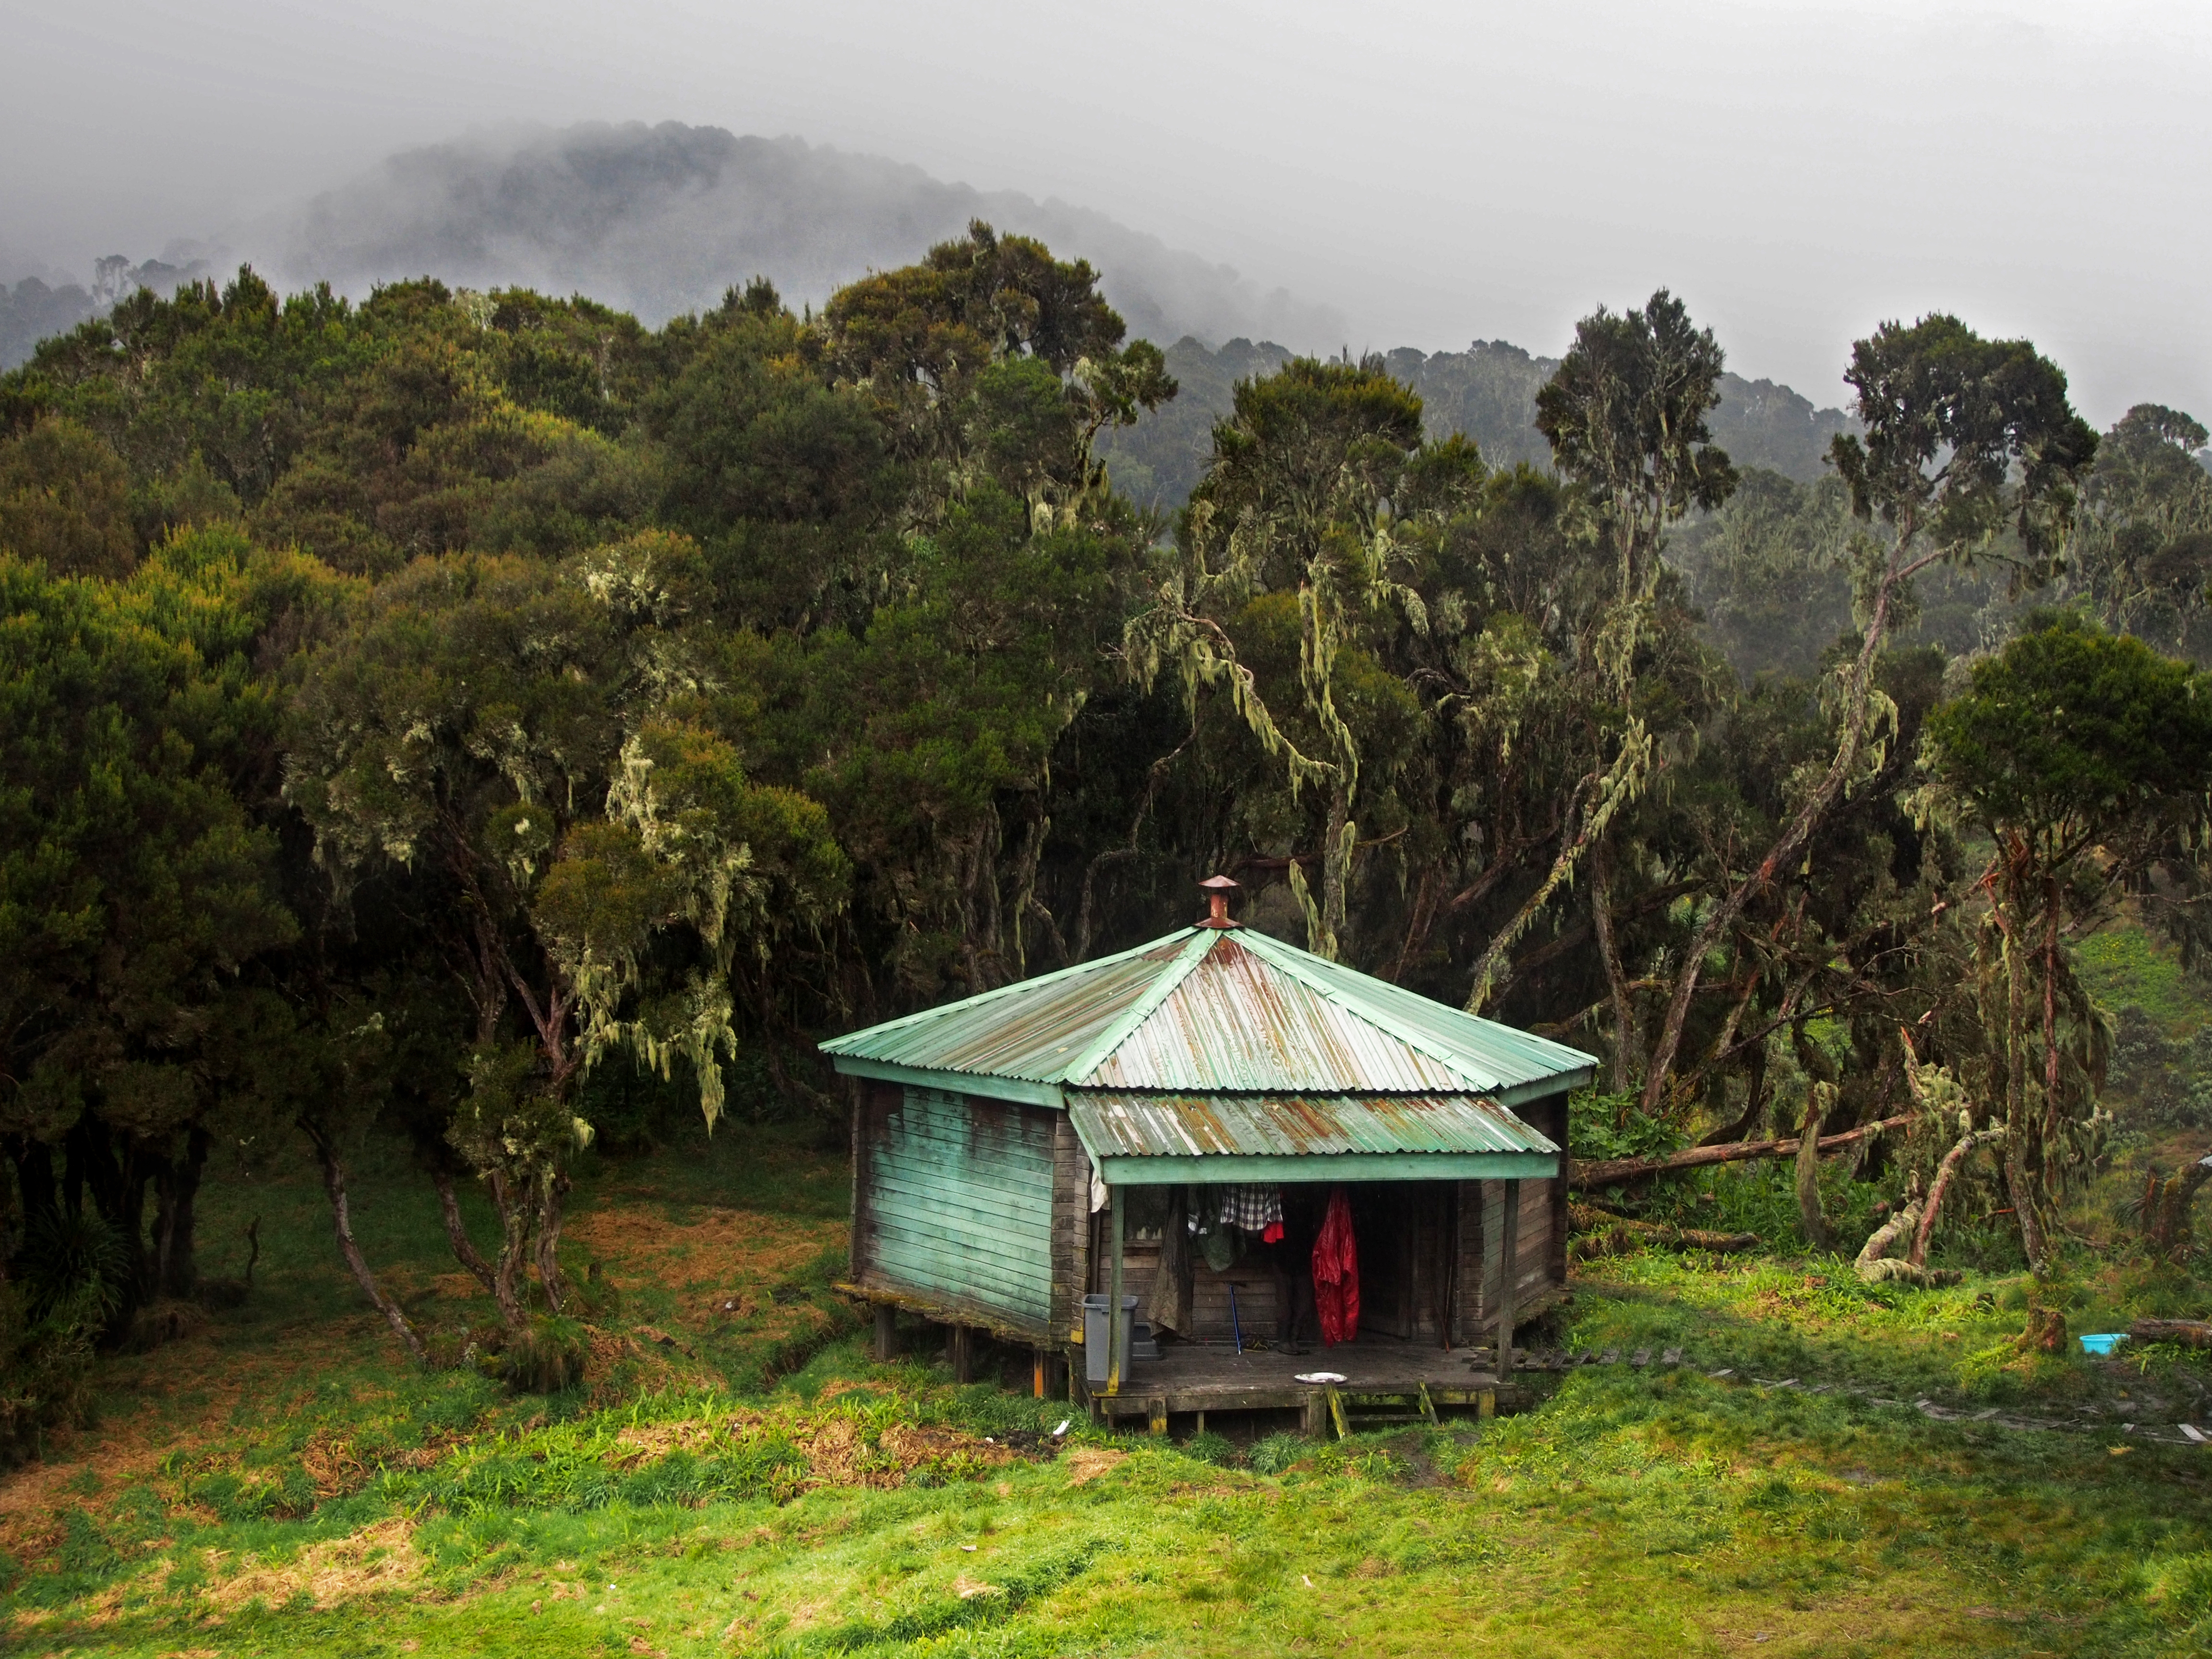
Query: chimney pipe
pixel 1216 889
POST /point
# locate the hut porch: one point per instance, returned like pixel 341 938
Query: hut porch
pixel 1193 1383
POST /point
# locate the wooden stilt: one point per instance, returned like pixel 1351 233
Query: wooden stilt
pixel 963 1354
pixel 1509 1276
pixel 1116 1361
pixel 886 1333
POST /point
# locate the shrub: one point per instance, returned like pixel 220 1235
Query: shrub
pixel 74 1258
pixel 1210 1448
pixel 46 1368
pixel 547 1356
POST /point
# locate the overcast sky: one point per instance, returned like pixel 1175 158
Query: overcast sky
pixel 1439 170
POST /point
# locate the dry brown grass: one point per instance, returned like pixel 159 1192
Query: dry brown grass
pixel 725 1256
pixel 378 1560
pixel 130 1443
pixel 1087 1463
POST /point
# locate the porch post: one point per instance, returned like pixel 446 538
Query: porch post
pixel 1509 1277
pixel 1115 1360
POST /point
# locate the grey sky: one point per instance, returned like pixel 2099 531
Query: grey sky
pixel 1438 172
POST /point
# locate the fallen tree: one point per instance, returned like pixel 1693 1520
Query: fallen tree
pixel 1589 1174
pixel 2188 1332
pixel 1599 1232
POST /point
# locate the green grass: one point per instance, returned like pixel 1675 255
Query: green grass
pixel 1634 1512
pixel 284 1485
pixel 2125 965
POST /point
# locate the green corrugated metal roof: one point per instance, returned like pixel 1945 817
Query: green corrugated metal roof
pixel 1117 1123
pixel 1229 1011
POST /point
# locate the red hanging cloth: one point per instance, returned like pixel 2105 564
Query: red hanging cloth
pixel 1336 1274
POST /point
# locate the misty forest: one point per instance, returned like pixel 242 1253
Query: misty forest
pixel 465 748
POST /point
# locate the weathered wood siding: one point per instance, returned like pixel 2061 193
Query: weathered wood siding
pixel 957 1204
pixel 1070 1228
pixel 1540 1252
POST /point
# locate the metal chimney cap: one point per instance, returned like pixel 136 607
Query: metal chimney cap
pixel 1216 889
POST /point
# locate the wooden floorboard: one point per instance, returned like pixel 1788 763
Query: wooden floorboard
pixel 1190 1378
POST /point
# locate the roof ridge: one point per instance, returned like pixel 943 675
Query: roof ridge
pixel 1384 991
pixel 1265 948
pixel 1194 951
pixel 831 1045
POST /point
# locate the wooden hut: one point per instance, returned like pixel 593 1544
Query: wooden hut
pixel 1018 1151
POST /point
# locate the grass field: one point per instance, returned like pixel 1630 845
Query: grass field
pixel 736 1479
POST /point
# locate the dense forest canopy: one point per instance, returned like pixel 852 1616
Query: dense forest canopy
pixel 466 713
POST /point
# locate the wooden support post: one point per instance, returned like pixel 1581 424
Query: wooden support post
pixel 963 1354
pixel 1316 1418
pixel 886 1333
pixel 1116 1361
pixel 1201 1422
pixel 1160 1416
pixel 1040 1364
pixel 1509 1275
pixel 1486 1406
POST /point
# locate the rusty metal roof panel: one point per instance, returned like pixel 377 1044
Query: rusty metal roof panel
pixel 1125 1123
pixel 1498 1058
pixel 1235 1023
pixel 1031 1030
pixel 1229 1011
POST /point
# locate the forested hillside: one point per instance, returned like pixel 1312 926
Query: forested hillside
pixel 1487 392
pixel 487 717
pixel 659 220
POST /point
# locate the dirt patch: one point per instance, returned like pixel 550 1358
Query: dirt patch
pixel 130 1445
pixel 1087 1463
pixel 649 1443
pixel 839 1454
pixel 726 1256
pixel 377 1560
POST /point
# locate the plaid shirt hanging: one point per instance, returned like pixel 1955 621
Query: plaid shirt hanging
pixel 1254 1208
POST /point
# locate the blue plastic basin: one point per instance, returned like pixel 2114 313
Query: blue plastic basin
pixel 2103 1342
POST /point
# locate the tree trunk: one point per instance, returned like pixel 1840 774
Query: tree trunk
pixel 334 1183
pixel 2019 1180
pixel 515 1246
pixel 2051 1010
pixel 1589 1174
pixel 1602 1234
pixel 1808 815
pixel 1754 1101
pixel 34 1176
pixel 2166 1208
pixel 2188 1332
pixel 1891 1233
pixel 177 1195
pixel 1941 1185
pixel 552 1188
pixel 1625 1044
pixel 457 1231
pixel 1814 1220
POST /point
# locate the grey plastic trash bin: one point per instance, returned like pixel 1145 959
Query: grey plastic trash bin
pixel 1094 1335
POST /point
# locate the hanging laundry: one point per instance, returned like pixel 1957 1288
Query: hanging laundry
pixel 1255 1208
pixel 1209 1225
pixel 1169 1308
pixel 1336 1274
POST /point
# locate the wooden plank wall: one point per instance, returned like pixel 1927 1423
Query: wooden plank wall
pixel 1070 1228
pixel 1540 1256
pixel 956 1205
